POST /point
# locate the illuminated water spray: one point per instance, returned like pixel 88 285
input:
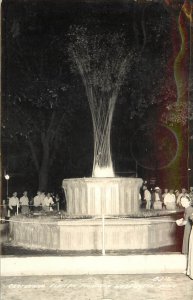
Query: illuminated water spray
pixel 102 61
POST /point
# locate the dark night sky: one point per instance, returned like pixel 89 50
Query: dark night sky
pixel 29 29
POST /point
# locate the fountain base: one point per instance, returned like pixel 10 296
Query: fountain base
pixel 82 229
pixel 72 234
pixel 97 196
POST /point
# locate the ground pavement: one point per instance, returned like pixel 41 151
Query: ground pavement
pixel 98 287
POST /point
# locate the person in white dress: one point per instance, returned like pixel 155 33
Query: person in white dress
pixel 170 200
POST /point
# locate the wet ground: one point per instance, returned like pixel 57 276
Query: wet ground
pixel 99 287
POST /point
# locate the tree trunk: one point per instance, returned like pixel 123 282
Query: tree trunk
pixel 43 178
pixel 44 167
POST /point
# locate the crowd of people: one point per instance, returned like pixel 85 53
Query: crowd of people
pixel 154 198
pixel 24 204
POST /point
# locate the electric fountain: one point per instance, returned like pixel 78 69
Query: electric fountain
pixel 103 193
pixel 99 206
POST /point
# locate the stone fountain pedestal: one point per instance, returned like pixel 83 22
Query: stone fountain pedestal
pixel 98 196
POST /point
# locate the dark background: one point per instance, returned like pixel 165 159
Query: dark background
pixel 37 79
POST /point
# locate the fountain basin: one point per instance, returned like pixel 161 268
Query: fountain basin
pixel 97 196
pixel 86 234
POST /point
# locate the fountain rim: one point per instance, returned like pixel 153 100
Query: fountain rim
pixel 102 178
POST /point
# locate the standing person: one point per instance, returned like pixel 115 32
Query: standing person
pixel 185 202
pixel 141 198
pixel 170 200
pixel 190 251
pixel 37 201
pixel 13 203
pixel 191 195
pixel 157 198
pixel 182 194
pixel 42 196
pixel 57 202
pixel 4 210
pixel 163 196
pixel 147 197
pixel 24 202
pixel 63 202
pixel 31 201
pixel 47 202
pixel 177 193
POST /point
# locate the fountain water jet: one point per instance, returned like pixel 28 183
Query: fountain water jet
pixel 102 61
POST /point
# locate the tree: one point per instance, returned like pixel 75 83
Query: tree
pixel 38 110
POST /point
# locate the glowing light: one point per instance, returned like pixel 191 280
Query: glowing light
pixel 103 172
pixel 7 177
